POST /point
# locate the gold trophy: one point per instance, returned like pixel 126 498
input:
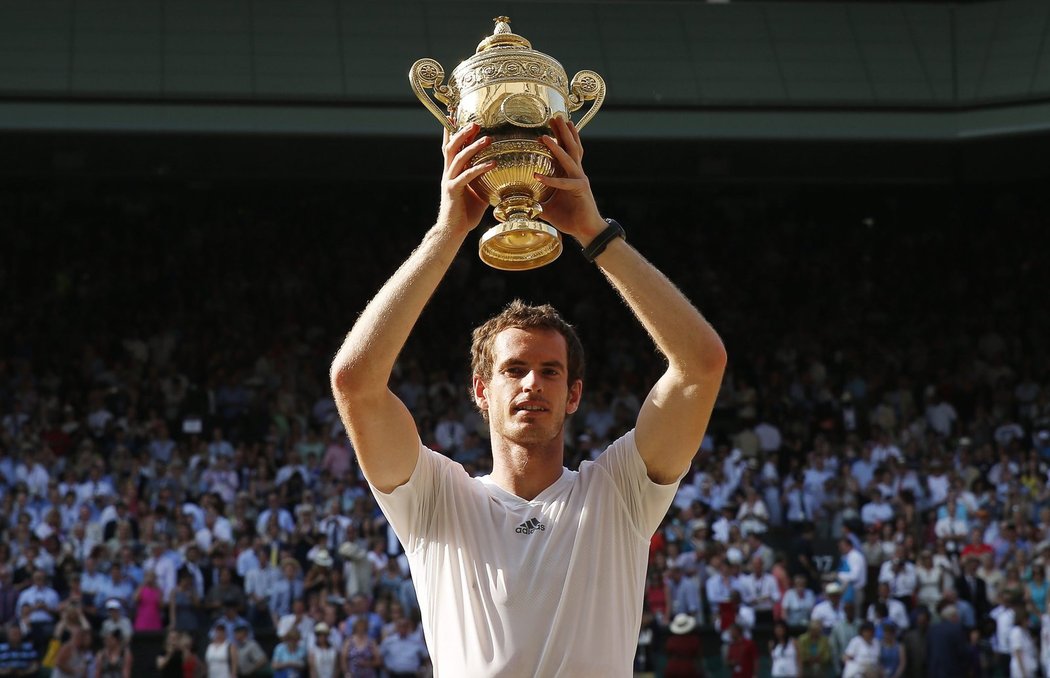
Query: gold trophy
pixel 512 92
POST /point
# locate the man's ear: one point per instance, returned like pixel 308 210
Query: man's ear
pixel 480 391
pixel 575 393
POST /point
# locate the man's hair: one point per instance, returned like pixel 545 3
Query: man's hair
pixel 522 316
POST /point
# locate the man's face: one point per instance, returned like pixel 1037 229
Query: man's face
pixel 528 396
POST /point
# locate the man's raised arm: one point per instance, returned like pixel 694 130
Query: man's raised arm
pixel 381 427
pixel 675 414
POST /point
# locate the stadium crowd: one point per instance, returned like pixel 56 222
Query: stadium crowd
pixel 872 496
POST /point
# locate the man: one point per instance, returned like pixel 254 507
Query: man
pixel 251 660
pixel 760 590
pixel 402 652
pixel 285 590
pixel 853 573
pixel 40 602
pixel 914 644
pixel 895 609
pixel 492 555
pixel 742 656
pixel 946 647
pixel 18 659
pixel 117 621
pixel 829 611
pixel 844 630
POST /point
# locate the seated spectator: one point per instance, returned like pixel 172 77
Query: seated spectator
pixel 18 659
pixel 797 604
pixel 114 660
pixel 403 653
pixel 251 660
pixel 116 621
pixel 289 657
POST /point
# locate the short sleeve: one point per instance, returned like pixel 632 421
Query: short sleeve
pixel 647 502
pixel 410 507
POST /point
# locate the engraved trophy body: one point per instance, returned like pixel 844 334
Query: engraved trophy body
pixel 512 92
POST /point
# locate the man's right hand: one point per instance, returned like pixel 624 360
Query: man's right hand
pixel 461 207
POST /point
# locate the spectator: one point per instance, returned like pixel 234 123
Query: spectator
pixel 946 648
pixel 360 655
pixel 861 656
pixel 220 657
pixel 684 658
pixel 251 660
pixel 914 644
pixel 285 590
pixel 289 657
pixel 149 601
pixel 893 658
pixel 403 652
pixel 170 663
pixel 814 651
pixel 184 606
pixel 40 603
pixel 742 656
pixel 797 604
pixel 72 658
pixel 322 656
pixel 783 650
pixel 114 660
pixel 1023 659
pixel 117 621
pixel 18 659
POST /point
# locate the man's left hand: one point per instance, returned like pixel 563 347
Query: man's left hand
pixel 572 210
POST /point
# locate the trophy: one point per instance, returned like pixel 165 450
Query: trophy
pixel 512 92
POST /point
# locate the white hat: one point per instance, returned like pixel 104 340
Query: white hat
pixel 322 558
pixel 321 628
pixel 113 604
pixel 734 555
pixel 682 624
pixel 832 589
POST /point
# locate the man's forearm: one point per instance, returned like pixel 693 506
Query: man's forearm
pixel 686 339
pixel 367 356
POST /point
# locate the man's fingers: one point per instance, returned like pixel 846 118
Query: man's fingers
pixel 473 173
pixel 461 159
pixel 568 163
pixel 564 183
pixel 566 139
pixel 454 142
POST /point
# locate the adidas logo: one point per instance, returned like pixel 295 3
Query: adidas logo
pixel 530 526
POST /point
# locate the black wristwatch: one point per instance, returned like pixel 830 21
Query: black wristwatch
pixel 598 245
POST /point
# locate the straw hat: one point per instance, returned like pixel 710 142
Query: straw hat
pixel 682 624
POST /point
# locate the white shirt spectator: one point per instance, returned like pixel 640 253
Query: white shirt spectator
pixel 902 581
pixel 856 572
pixel 897 613
pixel 769 438
pixel 827 613
pixel 941 417
pixel 863 658
pixel 1023 661
pixel 797 606
pixel 760 592
pixel 876 512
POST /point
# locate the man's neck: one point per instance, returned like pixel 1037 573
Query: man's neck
pixel 526 471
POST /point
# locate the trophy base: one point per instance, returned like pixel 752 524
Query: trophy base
pixel 520 245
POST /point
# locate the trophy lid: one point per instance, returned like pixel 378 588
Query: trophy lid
pixel 502 36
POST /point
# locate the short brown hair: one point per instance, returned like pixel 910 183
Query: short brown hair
pixel 523 316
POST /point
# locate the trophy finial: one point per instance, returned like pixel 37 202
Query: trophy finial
pixel 503 36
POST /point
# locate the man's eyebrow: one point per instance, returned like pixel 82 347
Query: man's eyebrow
pixel 516 362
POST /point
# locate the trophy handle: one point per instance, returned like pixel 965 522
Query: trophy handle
pixel 586 86
pixel 428 74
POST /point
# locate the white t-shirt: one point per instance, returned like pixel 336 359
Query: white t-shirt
pixel 548 587
pixel 862 657
pixel 1021 643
